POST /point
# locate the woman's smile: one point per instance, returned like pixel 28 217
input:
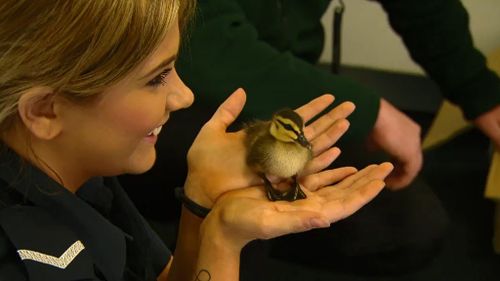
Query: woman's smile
pixel 152 137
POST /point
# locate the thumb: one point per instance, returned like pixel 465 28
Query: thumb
pixel 229 109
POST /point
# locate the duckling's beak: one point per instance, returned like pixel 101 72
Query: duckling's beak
pixel 301 139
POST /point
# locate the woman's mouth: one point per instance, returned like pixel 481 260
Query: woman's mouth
pixel 155 132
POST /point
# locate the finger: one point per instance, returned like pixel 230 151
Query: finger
pixel 349 181
pixel 328 177
pixel 399 179
pixel 404 173
pixel 330 137
pixel 343 202
pixel 314 107
pixel 341 111
pixel 490 126
pixel 321 161
pixel 353 200
pixel 229 110
pixel 380 172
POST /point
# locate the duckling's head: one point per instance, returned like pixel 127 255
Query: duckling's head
pixel 287 126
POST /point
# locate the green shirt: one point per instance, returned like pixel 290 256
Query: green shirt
pixel 270 47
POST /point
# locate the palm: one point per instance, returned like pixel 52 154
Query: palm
pixel 248 210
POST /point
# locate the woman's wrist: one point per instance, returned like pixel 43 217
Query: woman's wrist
pixel 214 233
pixel 194 191
pixel 216 261
pixel 189 204
pixel 218 257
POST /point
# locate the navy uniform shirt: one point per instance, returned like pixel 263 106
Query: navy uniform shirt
pixel 49 233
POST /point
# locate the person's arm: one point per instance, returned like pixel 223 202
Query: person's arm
pixel 201 257
pixel 437 35
pixel 225 51
pixel 187 247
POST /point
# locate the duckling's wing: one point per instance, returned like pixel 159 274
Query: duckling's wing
pixel 255 130
pixel 260 153
pixel 257 143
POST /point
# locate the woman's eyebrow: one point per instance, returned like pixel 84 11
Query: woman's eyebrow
pixel 161 65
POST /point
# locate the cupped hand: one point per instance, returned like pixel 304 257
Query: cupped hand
pixel 246 214
pixel 399 136
pixel 217 158
pixel 489 124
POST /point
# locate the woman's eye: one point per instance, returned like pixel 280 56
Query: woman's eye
pixel 159 80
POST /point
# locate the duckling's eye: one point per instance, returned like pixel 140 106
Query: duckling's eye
pixel 287 127
pixel 159 80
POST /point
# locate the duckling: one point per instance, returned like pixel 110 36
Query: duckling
pixel 278 148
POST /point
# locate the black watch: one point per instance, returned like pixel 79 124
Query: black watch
pixel 192 206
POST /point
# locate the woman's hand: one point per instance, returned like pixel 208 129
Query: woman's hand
pixel 489 124
pixel 217 159
pixel 243 215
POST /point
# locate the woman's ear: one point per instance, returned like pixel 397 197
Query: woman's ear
pixel 37 110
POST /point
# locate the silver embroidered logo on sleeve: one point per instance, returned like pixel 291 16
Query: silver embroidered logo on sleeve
pixel 61 262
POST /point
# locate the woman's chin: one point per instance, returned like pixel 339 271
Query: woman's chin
pixel 140 165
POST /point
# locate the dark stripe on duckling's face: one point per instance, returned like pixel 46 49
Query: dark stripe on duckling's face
pixel 289 128
pixel 297 131
pixel 291 115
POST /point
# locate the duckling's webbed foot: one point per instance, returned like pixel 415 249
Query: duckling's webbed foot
pixel 295 192
pixel 271 192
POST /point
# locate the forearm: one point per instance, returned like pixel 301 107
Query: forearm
pixel 203 256
pixel 217 259
pixel 187 247
pixel 438 38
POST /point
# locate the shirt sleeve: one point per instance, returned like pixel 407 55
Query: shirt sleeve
pixel 160 254
pixel 11 267
pixel 438 38
pixel 146 252
pixel 225 52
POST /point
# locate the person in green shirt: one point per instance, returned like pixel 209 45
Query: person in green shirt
pixel 271 48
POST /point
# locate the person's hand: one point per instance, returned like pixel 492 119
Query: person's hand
pixel 489 124
pixel 216 160
pixel 324 132
pixel 243 215
pixel 399 136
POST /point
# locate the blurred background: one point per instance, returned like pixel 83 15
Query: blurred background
pixel 367 36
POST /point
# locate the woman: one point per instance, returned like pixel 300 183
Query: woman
pixel 85 89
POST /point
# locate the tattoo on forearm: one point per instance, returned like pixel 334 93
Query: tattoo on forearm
pixel 203 275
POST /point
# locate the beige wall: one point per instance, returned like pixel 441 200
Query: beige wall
pixel 369 41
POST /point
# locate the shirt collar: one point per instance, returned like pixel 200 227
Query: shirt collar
pixel 105 241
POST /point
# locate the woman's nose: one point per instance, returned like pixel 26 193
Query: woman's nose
pixel 181 96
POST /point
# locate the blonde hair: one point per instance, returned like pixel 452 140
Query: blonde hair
pixel 77 47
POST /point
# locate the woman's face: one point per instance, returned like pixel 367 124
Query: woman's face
pixel 116 134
